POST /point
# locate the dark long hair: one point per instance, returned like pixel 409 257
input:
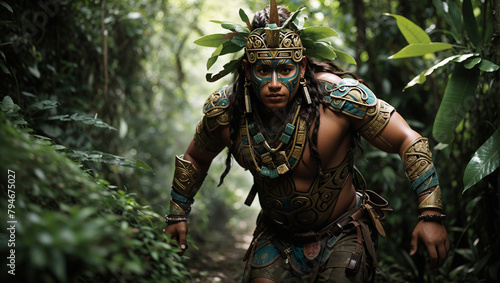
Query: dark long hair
pixel 311 113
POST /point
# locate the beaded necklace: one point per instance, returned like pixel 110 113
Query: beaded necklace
pixel 275 161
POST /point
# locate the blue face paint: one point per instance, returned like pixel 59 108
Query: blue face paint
pixel 284 71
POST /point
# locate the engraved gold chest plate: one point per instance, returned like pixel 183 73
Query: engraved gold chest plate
pixel 281 203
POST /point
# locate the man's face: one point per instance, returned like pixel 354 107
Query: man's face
pixel 276 81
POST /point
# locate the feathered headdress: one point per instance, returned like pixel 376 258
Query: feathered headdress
pixel 275 41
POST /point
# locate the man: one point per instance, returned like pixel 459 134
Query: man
pixel 294 123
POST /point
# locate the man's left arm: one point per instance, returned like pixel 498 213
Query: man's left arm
pixel 396 136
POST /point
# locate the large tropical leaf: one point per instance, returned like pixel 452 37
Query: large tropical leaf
pixel 470 24
pixel 445 13
pixel 484 162
pixel 457 100
pixel 420 79
pixel 411 32
pixel 420 49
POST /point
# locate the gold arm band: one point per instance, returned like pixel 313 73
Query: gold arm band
pixel 175 209
pixel 417 158
pixel 381 114
pixel 187 180
pixel 433 200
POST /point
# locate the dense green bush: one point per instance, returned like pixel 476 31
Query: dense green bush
pixel 71 225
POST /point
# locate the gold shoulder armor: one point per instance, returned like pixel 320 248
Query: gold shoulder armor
pixel 216 114
pixel 355 99
pixel 216 108
pixel 349 96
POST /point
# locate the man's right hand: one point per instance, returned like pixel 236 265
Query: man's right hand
pixel 178 232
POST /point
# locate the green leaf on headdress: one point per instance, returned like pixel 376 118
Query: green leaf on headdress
pixel 235 27
pixel 244 18
pixel 299 21
pixel 228 68
pixel 321 50
pixel 224 48
pixel 293 17
pixel 344 56
pixel 229 47
pixel 317 32
pixel 211 40
pixel 214 57
pixel 240 39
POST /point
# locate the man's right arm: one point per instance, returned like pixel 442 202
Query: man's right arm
pixel 191 167
pixel 189 174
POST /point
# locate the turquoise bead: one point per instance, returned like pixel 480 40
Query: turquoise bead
pixel 285 138
pixel 289 128
pixel 273 174
pixel 259 138
pixel 251 129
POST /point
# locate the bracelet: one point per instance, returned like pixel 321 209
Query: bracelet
pixel 432 217
pixel 176 219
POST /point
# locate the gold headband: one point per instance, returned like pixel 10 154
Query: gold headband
pixel 274 44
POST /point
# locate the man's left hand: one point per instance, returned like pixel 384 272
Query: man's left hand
pixel 435 238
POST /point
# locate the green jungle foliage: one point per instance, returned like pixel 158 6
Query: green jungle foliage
pixel 98 96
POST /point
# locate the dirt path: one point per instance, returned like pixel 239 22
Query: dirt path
pixel 219 259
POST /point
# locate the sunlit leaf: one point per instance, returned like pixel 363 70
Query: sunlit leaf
pixel 485 160
pixel 420 49
pixel 420 79
pixel 411 32
pixel 457 100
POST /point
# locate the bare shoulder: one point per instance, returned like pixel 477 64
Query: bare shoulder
pixel 329 77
